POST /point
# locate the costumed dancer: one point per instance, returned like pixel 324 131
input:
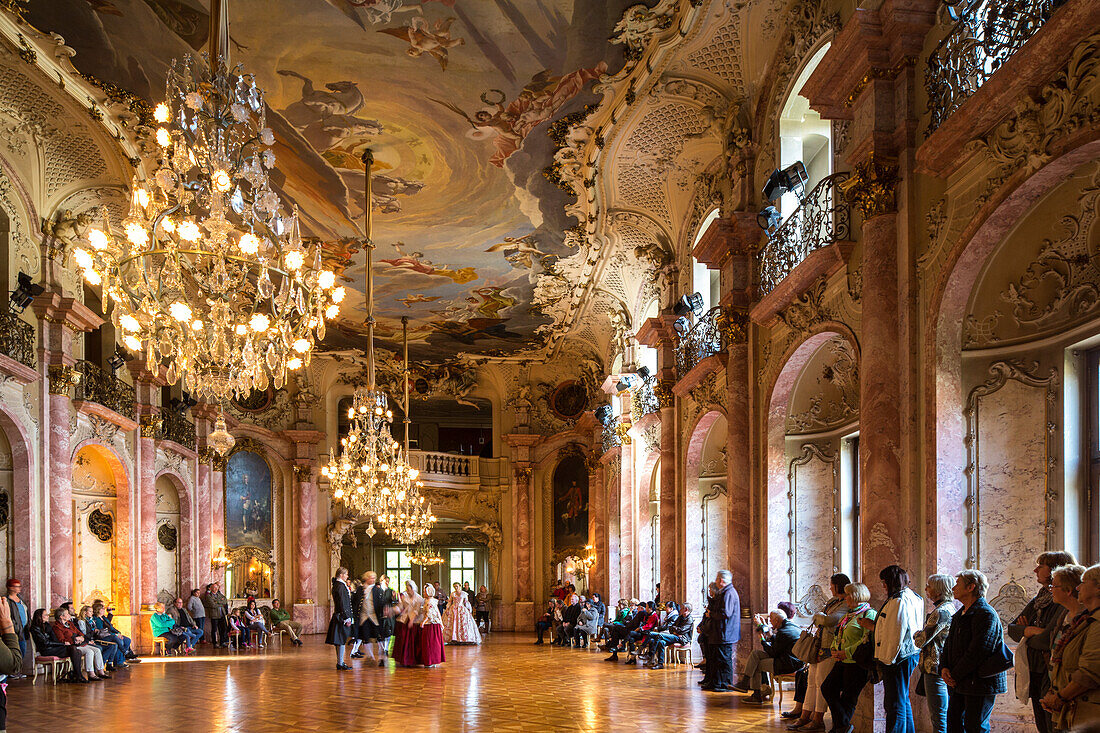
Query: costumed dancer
pixel 339 627
pixel 358 609
pixel 459 626
pixel 389 612
pixel 371 616
pixel 405 642
pixel 430 641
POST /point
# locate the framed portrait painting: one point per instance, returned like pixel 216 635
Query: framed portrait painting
pixel 248 501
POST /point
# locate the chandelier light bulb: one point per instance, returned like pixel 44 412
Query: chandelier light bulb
pixel 161 113
pixel 98 239
pixel 259 323
pixel 338 294
pixel 164 139
pixel 131 342
pixel 129 323
pixel 141 197
pixel 326 279
pixel 294 260
pixel 221 180
pixel 294 363
pixel 249 243
pixel 82 258
pixel 136 233
pixel 180 311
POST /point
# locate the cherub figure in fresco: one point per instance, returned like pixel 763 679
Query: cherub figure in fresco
pixel 343 98
pixel 434 40
pixel 492 301
pixel 416 262
pixel 537 102
pixel 519 251
pixel 411 299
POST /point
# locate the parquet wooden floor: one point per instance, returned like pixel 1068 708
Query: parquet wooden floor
pixel 507 684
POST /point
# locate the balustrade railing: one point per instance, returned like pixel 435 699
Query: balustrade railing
pixel 176 427
pixel 986 35
pixel 100 386
pixel 644 399
pixel 16 338
pixel 445 464
pixel 706 338
pixel 823 218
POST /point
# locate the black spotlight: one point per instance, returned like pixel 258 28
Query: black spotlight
pixel 603 414
pixel 769 220
pixel 627 381
pixel 120 357
pixel 791 179
pixel 689 304
pixel 682 326
pixel 643 372
pixel 24 294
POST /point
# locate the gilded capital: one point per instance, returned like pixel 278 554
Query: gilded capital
pixel 872 187
pixel 663 392
pixel 206 455
pixel 734 325
pixel 62 377
pixel 150 426
pixel 523 473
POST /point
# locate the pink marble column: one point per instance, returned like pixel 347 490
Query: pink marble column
pixel 522 525
pixel 672 565
pixel 147 521
pixel 61 501
pixel 739 526
pixel 307 542
pixel 627 523
pixel 597 530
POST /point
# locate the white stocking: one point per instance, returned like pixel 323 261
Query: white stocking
pixel 355 645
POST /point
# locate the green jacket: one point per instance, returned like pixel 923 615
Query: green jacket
pixel 851 634
pixel 162 623
pixel 278 615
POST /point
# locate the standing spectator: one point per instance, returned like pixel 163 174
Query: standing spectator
pixel 777 639
pixel 657 596
pixel 1074 696
pixel 930 640
pixel 847 679
pixel 470 593
pixel 894 627
pixel 724 630
pixel 1037 623
pixel 197 611
pixel 11 657
pixel 974 637
pixel 217 609
pixel 18 612
pixel 281 621
pixel 1064 585
pixel 483 604
pixel 810 713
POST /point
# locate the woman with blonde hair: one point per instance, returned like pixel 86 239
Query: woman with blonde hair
pixel 847 679
pixel 930 639
pixel 1074 696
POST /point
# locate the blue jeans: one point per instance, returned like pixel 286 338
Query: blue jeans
pixel 193 635
pixel 895 688
pixel 112 654
pixel 660 640
pixel 968 713
pixel 122 642
pixel 935 690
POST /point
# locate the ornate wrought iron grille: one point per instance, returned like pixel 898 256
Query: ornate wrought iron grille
pixel 704 339
pixel 986 35
pixel 99 386
pixel 101 525
pixel 644 399
pixel 16 338
pixel 176 427
pixel 166 536
pixel 611 437
pixel 823 218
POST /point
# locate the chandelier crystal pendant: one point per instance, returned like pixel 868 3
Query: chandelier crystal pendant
pixel 210 277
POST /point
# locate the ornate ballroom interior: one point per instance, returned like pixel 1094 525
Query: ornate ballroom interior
pixel 781 286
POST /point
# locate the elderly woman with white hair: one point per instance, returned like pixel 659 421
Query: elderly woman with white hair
pixel 930 641
pixel 1074 696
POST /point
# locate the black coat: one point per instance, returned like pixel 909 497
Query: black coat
pixel 779 648
pixel 338 631
pixel 46 643
pixel 724 617
pixel 389 623
pixel 974 636
pixel 681 627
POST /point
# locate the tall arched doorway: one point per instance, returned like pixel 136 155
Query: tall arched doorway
pixel 169 537
pixel 707 505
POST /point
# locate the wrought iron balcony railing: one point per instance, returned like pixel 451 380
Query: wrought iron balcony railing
pixel 823 218
pixel 100 386
pixel 644 399
pixel 706 338
pixel 611 436
pixel 176 427
pixel 16 338
pixel 986 35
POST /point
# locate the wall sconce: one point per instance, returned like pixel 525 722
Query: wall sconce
pixel 219 561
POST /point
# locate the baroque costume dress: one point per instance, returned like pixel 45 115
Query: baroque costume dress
pixel 430 641
pixel 459 626
pixel 407 631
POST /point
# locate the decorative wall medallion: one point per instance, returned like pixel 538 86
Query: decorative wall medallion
pixel 256 400
pixel 569 400
pixel 166 536
pixel 101 525
pixel 872 187
pixel 809 310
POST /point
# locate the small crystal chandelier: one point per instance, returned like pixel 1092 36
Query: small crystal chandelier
pixel 364 474
pixel 209 276
pixel 424 554
pixel 220 439
pixel 408 517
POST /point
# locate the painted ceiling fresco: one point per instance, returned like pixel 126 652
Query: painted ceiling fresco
pixel 455 97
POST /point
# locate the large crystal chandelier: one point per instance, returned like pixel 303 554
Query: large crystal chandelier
pixel 408 517
pixel 209 276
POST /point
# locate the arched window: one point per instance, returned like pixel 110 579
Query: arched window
pixel 647 355
pixel 804 136
pixel 704 280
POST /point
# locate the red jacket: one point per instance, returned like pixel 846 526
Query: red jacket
pixel 67 634
pixel 651 622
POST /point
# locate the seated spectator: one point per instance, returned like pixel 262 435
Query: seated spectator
pixel 844 683
pixel 557 591
pixel 67 633
pixel 106 630
pixel 255 621
pixel 676 631
pixel 545 621
pixel 635 637
pixel 617 639
pixel 569 621
pixel 559 615
pixel 46 644
pixel 283 622
pixel 186 623
pixel 112 655
pixel 587 624
pixel 238 628
pixel 972 641
pixel 164 626
pixel 601 610
pixel 666 614
pixel 777 637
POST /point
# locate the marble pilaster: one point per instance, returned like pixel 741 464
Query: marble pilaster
pixel 523 528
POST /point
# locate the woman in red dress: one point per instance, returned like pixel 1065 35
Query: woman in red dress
pixel 430 641
pixel 407 632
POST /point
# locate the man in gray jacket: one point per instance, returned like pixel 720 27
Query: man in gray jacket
pixel 197 610
pixel 217 608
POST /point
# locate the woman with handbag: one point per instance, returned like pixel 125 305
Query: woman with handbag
pixel 847 679
pixel 811 713
pixel 1074 696
pixel 901 617
pixel 974 657
pixel 930 640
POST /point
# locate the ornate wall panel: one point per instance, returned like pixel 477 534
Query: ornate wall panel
pixel 813 480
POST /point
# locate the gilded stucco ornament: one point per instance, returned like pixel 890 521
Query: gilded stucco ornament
pixel 662 390
pixel 62 377
pixel 150 426
pixel 872 187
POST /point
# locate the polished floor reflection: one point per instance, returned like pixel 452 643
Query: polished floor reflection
pixel 505 685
